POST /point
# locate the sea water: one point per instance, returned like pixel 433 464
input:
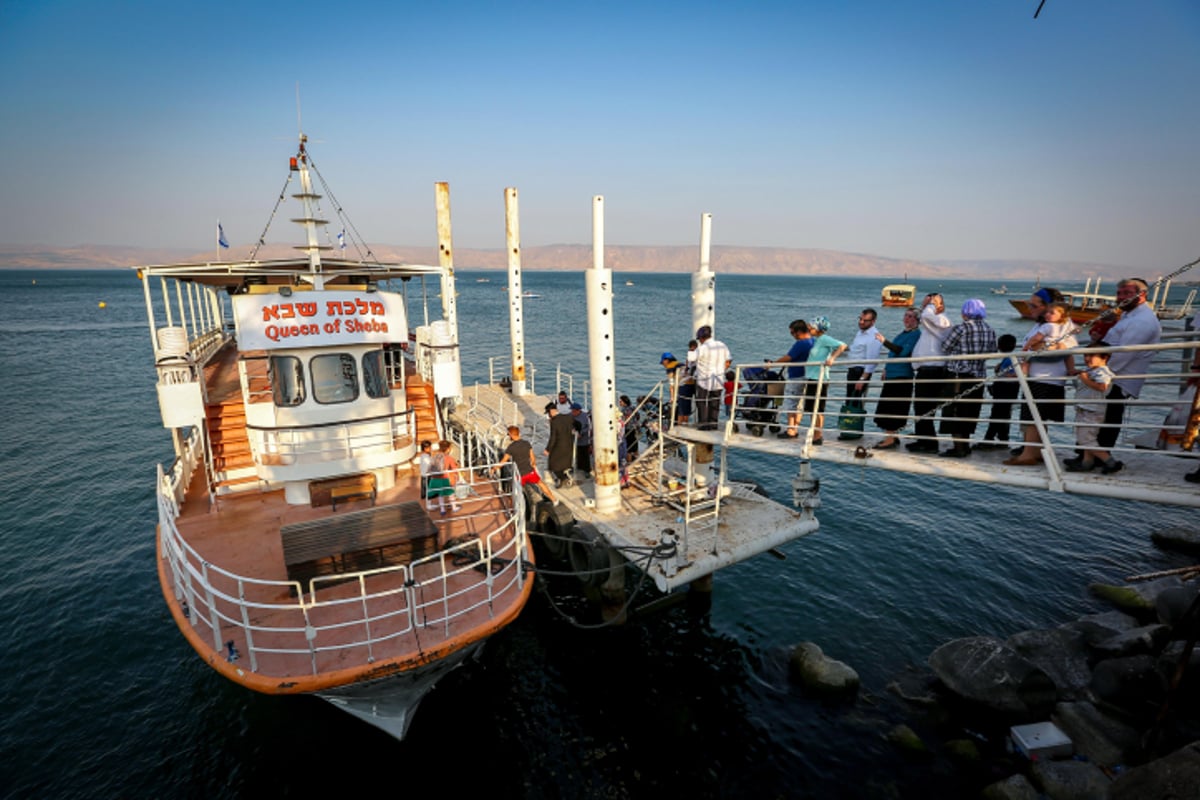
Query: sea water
pixel 102 697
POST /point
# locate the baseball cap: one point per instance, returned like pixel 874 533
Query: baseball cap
pixel 576 407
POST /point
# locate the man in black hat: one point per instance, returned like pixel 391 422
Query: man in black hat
pixel 561 445
pixel 582 423
pixel 712 359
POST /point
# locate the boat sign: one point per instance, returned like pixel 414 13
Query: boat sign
pixel 273 321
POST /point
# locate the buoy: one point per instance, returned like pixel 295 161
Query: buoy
pixel 103 304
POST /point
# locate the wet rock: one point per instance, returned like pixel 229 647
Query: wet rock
pixel 986 671
pixel 1133 683
pixel 1070 780
pixel 1147 639
pixel 907 740
pixel 1059 652
pixel 915 688
pixel 1014 787
pixel 1172 603
pixel 817 671
pixel 1098 627
pixel 1183 540
pixel 1173 776
pixel 1102 739
pixel 962 751
pixel 1133 597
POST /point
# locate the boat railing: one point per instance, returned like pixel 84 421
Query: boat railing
pixel 500 368
pixel 312 443
pixel 1156 421
pixel 352 617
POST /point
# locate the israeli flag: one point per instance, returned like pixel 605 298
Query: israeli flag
pixel 342 239
pixel 221 240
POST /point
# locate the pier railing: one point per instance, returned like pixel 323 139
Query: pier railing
pixel 270 626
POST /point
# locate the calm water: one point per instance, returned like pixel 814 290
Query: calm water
pixel 102 697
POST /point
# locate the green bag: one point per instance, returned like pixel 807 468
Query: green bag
pixel 850 420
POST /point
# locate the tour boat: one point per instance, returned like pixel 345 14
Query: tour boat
pixel 899 295
pixel 296 552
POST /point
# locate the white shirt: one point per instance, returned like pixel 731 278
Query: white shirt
pixel 935 328
pixel 865 347
pixel 1139 326
pixel 711 358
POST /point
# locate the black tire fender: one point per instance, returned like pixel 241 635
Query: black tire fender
pixel 587 553
pixel 556 522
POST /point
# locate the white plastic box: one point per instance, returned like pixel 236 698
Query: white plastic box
pixel 1041 740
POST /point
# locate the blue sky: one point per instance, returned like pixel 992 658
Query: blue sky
pixel 927 130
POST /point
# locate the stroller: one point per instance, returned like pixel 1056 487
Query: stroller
pixel 759 398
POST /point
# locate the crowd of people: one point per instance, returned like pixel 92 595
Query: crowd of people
pixel 941 395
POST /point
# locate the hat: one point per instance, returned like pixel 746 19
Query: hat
pixel 820 323
pixel 704 332
pixel 576 407
pixel 667 357
pixel 974 309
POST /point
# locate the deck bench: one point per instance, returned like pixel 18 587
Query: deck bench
pixel 357 541
pixel 347 487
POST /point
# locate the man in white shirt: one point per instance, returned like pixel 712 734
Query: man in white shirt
pixel 712 359
pixel 864 347
pixel 1138 325
pixel 935 327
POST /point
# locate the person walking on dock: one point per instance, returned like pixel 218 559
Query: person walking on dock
pixel 582 422
pixel 520 453
pixel 712 359
pixel 561 446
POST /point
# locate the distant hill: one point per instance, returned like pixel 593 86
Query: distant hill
pixel 731 259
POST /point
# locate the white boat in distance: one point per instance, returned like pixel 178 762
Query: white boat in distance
pixel 296 552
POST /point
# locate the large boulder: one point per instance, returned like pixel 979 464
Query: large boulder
pixel 1185 540
pixel 1132 683
pixel 1173 776
pixel 1070 780
pixel 819 672
pixel 1059 652
pixel 1148 639
pixel 1102 739
pixel 1172 603
pixel 1136 598
pixel 1098 627
pixel 987 672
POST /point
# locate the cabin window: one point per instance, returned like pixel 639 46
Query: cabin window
pixel 287 380
pixel 334 378
pixel 374 374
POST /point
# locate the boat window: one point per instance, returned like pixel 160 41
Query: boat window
pixel 334 378
pixel 374 374
pixel 287 380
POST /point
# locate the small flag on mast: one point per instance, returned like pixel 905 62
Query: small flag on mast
pixel 221 240
pixel 342 239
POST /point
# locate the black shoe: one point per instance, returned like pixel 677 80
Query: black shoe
pixel 1192 477
pixel 921 447
pixel 956 452
pixel 1111 466
pixel 1075 465
pixel 1016 451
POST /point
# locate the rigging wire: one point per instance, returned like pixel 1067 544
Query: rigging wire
pixel 262 237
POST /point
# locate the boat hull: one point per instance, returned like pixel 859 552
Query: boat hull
pixel 1078 315
pixel 390 703
pixel 898 295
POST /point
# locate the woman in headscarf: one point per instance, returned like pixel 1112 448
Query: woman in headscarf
pixel 970 337
pixel 895 396
pixel 824 350
pixel 1047 384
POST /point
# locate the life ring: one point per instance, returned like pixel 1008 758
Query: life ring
pixel 587 553
pixel 555 522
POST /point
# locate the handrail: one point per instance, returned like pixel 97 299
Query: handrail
pixel 216 600
pixel 331 423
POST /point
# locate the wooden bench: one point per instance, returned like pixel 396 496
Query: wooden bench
pixel 329 491
pixel 358 541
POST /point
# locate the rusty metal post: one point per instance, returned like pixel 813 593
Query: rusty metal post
pixel 602 350
pixel 516 326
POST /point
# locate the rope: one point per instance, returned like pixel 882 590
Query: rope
pixel 356 238
pixel 262 237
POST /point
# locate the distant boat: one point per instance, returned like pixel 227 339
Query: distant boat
pixel 1002 289
pixel 529 294
pixel 629 283
pixel 899 295
pixel 483 280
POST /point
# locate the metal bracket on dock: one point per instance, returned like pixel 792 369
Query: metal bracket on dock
pixel 806 489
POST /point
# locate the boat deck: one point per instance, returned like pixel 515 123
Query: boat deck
pixel 395 611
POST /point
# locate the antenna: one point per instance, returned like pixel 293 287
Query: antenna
pixel 299 125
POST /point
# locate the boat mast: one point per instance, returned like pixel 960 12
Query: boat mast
pixel 703 283
pixel 309 221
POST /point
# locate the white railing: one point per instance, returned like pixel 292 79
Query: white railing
pixel 240 615
pixel 317 443
pixel 500 367
pixel 760 400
